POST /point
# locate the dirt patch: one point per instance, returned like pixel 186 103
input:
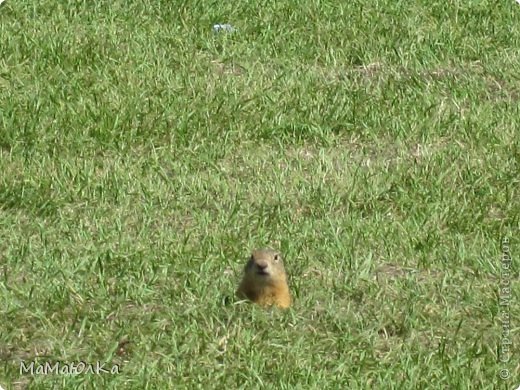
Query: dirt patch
pixel 389 272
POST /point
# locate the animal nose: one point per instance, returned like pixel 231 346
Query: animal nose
pixel 262 265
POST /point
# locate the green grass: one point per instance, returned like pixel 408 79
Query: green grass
pixel 142 157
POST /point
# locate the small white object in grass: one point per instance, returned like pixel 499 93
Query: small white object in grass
pixel 227 27
pixel 1 1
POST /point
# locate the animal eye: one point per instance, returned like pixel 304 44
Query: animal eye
pixel 276 257
pixel 250 263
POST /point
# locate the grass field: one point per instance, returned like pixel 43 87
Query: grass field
pixel 143 156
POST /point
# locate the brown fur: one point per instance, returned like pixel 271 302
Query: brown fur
pixel 265 281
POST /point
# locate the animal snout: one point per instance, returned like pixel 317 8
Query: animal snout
pixel 262 265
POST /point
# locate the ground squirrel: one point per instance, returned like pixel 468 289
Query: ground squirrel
pixel 265 281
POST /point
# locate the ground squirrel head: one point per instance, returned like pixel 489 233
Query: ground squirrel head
pixel 265 280
pixel 266 265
